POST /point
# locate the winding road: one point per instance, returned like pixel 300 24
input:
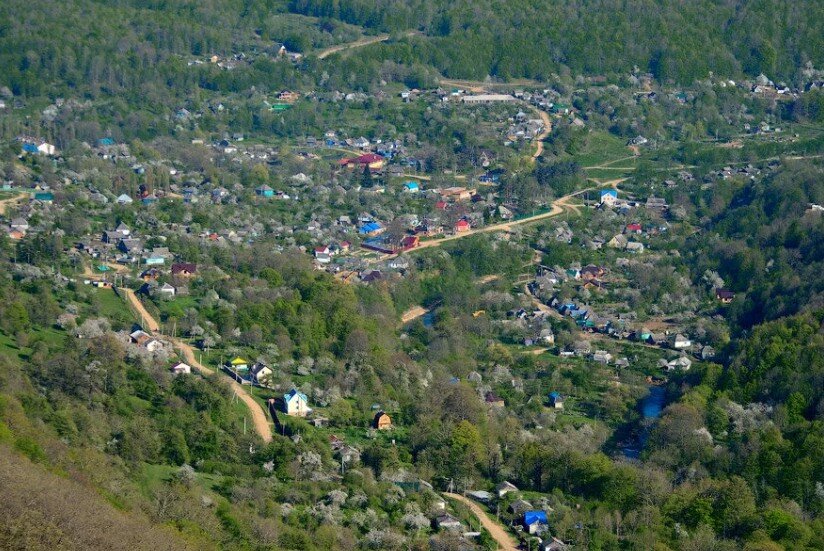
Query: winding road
pixel 504 540
pixel 259 419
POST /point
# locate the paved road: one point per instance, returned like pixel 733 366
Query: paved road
pixel 502 537
pixel 259 418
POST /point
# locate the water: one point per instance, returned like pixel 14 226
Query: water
pixel 651 407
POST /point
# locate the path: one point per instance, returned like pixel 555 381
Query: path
pixel 12 201
pixel 259 418
pixel 558 207
pixel 323 54
pixel 504 540
pixel 412 314
pixel 539 139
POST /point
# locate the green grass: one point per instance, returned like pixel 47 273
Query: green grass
pixel 600 148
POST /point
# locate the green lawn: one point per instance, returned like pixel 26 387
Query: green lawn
pixel 600 148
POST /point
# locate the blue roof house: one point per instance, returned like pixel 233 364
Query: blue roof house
pixel 411 187
pixel 370 228
pixel 609 196
pixel 536 522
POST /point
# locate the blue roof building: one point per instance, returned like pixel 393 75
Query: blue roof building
pixel 30 148
pixel 370 228
pixel 411 187
pixel 535 521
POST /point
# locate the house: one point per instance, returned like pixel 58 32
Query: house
pixel 295 403
pixel 581 348
pixel 724 295
pixel 371 160
pixel 382 421
pixel 707 353
pixel 618 242
pixel 370 228
pixel 152 274
pixel 556 401
pixel 153 345
pixel 19 224
pixel 264 191
pixel 260 374
pixel 445 521
pixel 167 289
pixel 505 487
pixel 608 197
pixel 410 242
pixel 519 507
pixel 679 341
pixel 683 363
pixel 635 227
pixel 462 226
pixel 139 336
pixel 658 203
pixel 184 269
pixel 322 256
pixel 536 522
pixel 602 357
pixel 494 400
pixel 44 196
pixel 181 368
pixel 238 364
pixel 411 187
pixel 480 495
pixel 635 247
pixel 553 544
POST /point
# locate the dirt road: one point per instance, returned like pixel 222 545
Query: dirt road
pixel 412 314
pixel 539 139
pixel 505 541
pixel 259 417
pixel 12 201
pixel 323 54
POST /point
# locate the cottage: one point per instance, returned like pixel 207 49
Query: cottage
pixel 725 296
pixel 184 269
pixel 635 247
pixel 260 374
pixel 181 368
pixel 535 522
pixel 411 187
pixel 519 507
pixel 264 191
pixel 493 399
pixel 679 341
pixel 554 544
pixel 602 357
pixel 445 521
pixel 153 345
pixel 618 242
pixel 139 337
pixel 505 487
pixel 295 403
pixel 608 197
pixel 382 421
pixel 658 203
pixel 556 401
pixel 239 364
pixel 167 289
pixel 462 226
pixel 370 228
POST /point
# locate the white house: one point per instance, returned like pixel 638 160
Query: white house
pixel 679 341
pixel 261 374
pixel 181 368
pixel 295 403
pixel 46 149
pixel 505 487
pixel 167 289
pixel 153 345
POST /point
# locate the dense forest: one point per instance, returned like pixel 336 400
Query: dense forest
pixel 672 40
